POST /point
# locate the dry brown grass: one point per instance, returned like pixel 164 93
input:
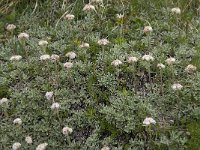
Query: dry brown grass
pixel 7 5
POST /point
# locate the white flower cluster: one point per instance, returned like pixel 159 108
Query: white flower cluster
pixel 66 130
pixel 17 121
pixel 84 45
pixel 16 58
pixel 177 87
pixel 55 106
pixel 103 42
pixel 3 100
pixel 45 57
pixel 49 95
pixel 68 65
pixel 71 55
pixel 69 17
pixel 176 10
pixel 170 61
pixel 116 62
pixel 16 146
pixel 42 43
pixel 29 140
pixel 10 27
pixel 105 148
pixel 147 121
pixel 88 7
pixel 41 146
pixel 147 29
pixel 190 68
pixel 147 58
pixel 161 66
pixel 23 36
pixel 132 60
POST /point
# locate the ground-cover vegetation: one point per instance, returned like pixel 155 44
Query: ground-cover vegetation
pixel 99 74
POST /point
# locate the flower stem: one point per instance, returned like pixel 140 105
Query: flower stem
pixel 150 79
pixel 161 80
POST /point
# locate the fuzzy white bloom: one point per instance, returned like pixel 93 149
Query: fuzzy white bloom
pixel 170 60
pixel 132 59
pixel 29 140
pixel 88 7
pixel 17 121
pixel 176 10
pixel 10 27
pixel 23 36
pixel 177 86
pixel 147 58
pixel 69 17
pixel 16 57
pixel 3 100
pixel 45 57
pixel 71 55
pixel 49 95
pixel 68 65
pixel 147 29
pixel 116 62
pixel 105 148
pixel 147 121
pixel 42 43
pixel 55 57
pixel 120 16
pixel 161 66
pixel 55 106
pixel 16 146
pixel 41 146
pixel 190 68
pixel 103 42
pixel 84 45
pixel 67 130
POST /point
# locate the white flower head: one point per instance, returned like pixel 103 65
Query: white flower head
pixel 147 29
pixel 29 140
pixel 49 95
pixel 55 106
pixel 132 59
pixel 23 36
pixel 3 100
pixel 10 27
pixel 84 45
pixel 147 121
pixel 170 60
pixel 45 57
pixel 177 87
pixel 103 42
pixel 116 62
pixel 15 58
pixel 42 43
pixel 88 7
pixel 41 146
pixel 190 68
pixel 71 55
pixel 69 17
pixel 147 58
pixel 16 146
pixel 67 130
pixel 176 10
pixel 161 66
pixel 105 148
pixel 55 57
pixel 17 121
pixel 68 65
pixel 120 16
